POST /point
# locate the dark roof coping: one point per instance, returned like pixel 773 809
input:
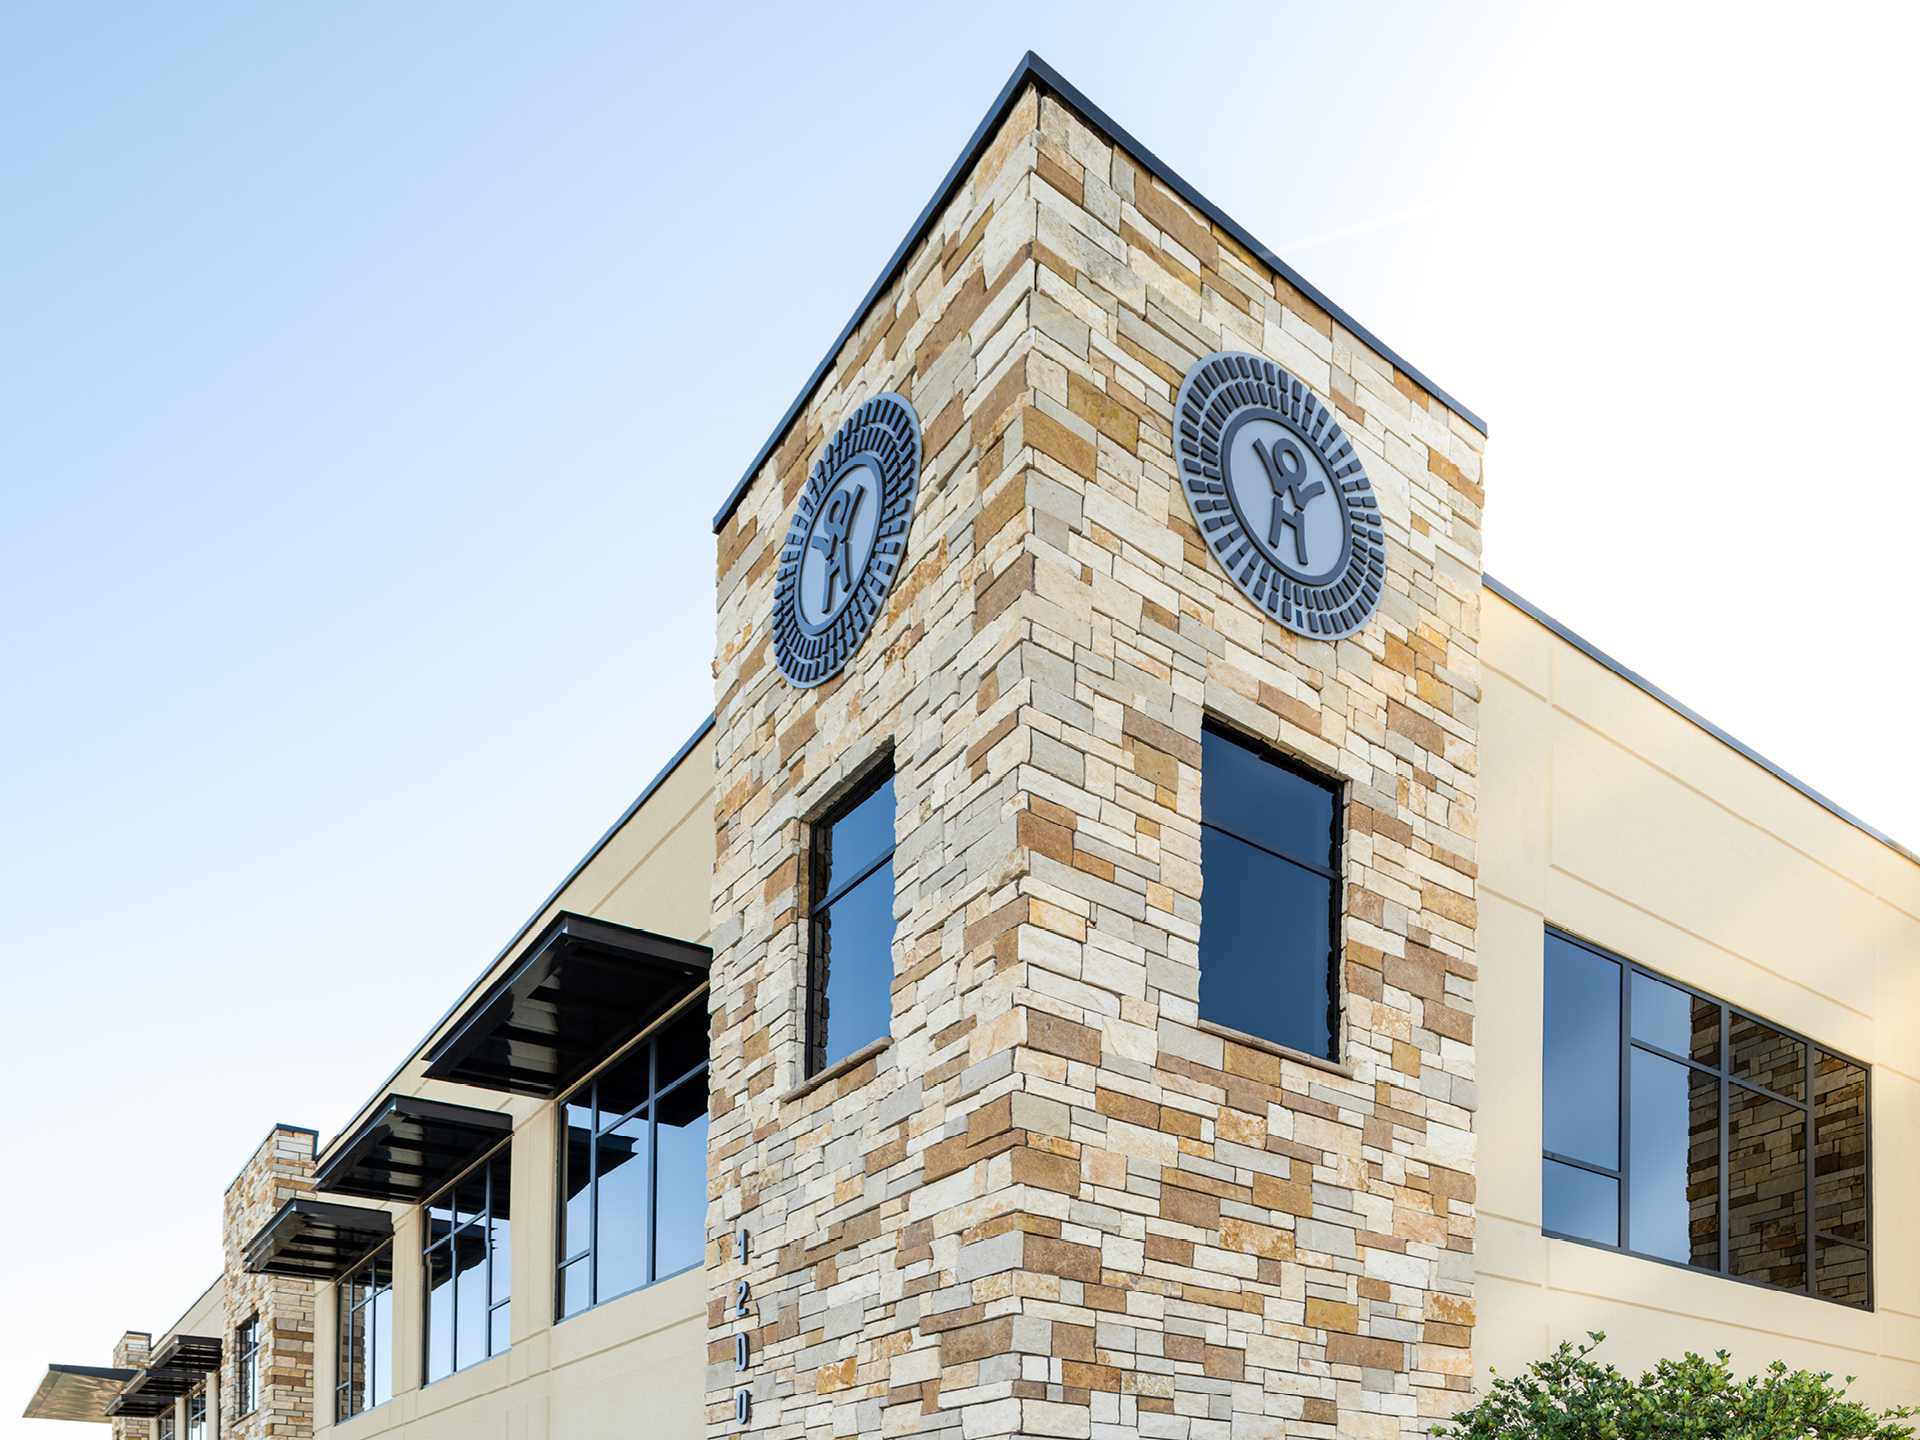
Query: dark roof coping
pixel 1593 652
pixel 1035 71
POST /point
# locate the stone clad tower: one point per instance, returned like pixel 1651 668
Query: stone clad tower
pixel 1058 1202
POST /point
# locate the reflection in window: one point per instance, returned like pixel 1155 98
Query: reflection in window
pixel 163 1426
pixel 1269 847
pixel 364 1305
pixel 1719 1167
pixel 851 927
pixel 246 1366
pixel 633 1175
pixel 197 1417
pixel 468 1260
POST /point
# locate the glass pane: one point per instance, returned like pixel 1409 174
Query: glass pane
pixel 1266 944
pixel 502 1336
pixel 1841 1272
pixel 470 1197
pixel 683 1045
pixel 1676 1020
pixel 439 1313
pixel 1674 1173
pixel 354 1316
pixel 1766 1189
pixel 1579 1202
pixel 1764 1056
pixel 502 1242
pixel 855 961
pixel 470 1296
pixel 1580 1110
pixel 440 1213
pixel 1840 1147
pixel 380 1349
pixel 574 1294
pixel 681 1206
pixel 576 1176
pixel 1245 791
pixel 620 1245
pixel 625 1087
pixel 856 840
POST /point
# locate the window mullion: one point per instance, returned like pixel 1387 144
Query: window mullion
pixel 1812 1246
pixel 1626 1107
pixel 1726 1129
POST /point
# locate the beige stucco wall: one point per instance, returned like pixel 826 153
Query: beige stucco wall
pixel 1606 813
pixel 633 1365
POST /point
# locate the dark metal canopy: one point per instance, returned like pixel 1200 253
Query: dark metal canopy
pixel 189 1352
pixel 315 1240
pixel 583 988
pixel 152 1392
pixel 407 1147
pixel 77 1392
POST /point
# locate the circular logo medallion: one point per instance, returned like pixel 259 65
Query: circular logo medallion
pixel 847 540
pixel 1279 495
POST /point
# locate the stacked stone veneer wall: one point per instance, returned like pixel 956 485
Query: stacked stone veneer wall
pixel 1058 1205
pixel 132 1351
pixel 280 1169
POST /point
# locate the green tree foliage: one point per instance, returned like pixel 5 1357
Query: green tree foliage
pixel 1569 1397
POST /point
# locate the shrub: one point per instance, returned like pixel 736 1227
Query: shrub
pixel 1569 1397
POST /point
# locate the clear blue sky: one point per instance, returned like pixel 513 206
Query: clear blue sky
pixel 369 375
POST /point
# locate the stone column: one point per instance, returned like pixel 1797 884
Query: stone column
pixel 1058 1199
pixel 280 1170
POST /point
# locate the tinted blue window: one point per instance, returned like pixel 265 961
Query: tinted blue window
pixel 1267 846
pixel 1579 1202
pixel 1265 939
pixel 852 929
pixel 1243 791
pixel 1581 1061
pixel 1674 1165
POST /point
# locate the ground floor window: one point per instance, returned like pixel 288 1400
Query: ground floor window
pixel 365 1306
pixel 634 1168
pixel 1679 1127
pixel 467 1263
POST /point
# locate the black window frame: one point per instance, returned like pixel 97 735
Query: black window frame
pixel 1336 785
pixel 197 1415
pixel 164 1427
pixel 343 1314
pixel 587 1092
pixel 246 1366
pixel 821 900
pixel 430 1243
pixel 1724 1071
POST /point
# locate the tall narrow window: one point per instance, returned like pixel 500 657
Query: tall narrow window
pixel 246 1366
pixel 365 1308
pixel 467 1264
pixel 851 940
pixel 197 1417
pixel 1269 854
pixel 634 1168
pixel 163 1428
pixel 1677 1127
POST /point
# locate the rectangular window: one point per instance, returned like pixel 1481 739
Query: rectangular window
pixel 633 1171
pixel 1677 1127
pixel 851 926
pixel 163 1426
pixel 1269 912
pixel 467 1264
pixel 246 1366
pixel 364 1303
pixel 197 1417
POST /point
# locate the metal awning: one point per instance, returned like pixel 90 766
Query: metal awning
pixel 583 988
pixel 188 1352
pixel 77 1392
pixel 408 1147
pixel 152 1392
pixel 315 1240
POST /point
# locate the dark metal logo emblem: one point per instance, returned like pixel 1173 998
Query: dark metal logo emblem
pixel 847 540
pixel 1279 494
